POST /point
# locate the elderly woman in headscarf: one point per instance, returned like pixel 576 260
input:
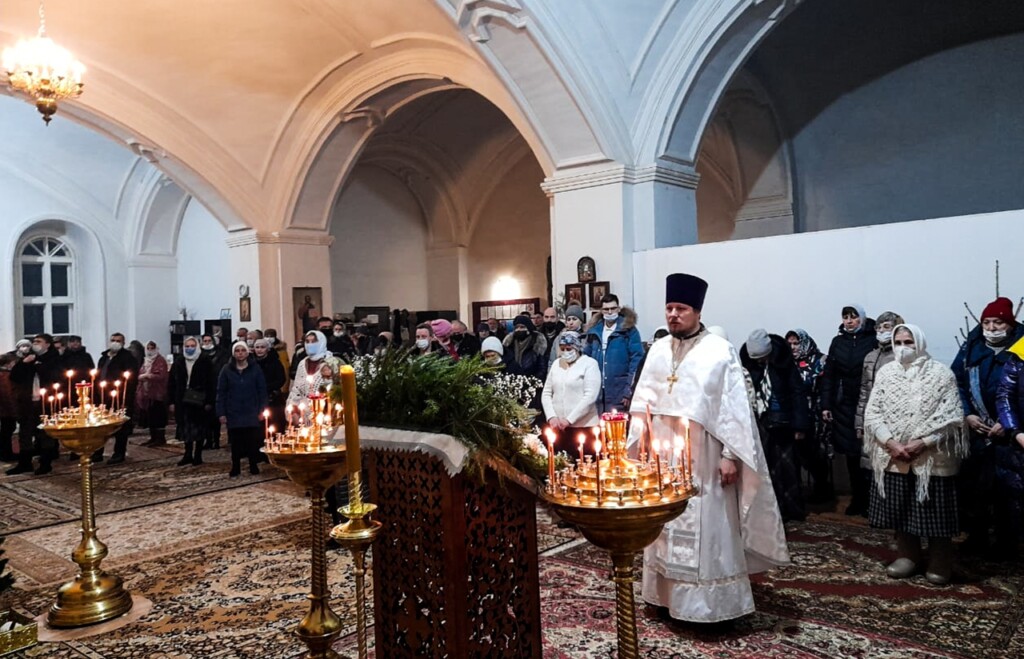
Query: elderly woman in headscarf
pixel 315 371
pixel 151 396
pixel 192 392
pixel 914 431
pixel 840 389
pixel 241 400
pixel 815 451
pixel 570 393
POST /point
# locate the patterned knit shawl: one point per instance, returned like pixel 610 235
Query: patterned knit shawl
pixel 918 401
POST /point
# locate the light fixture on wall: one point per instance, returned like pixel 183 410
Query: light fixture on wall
pixel 43 70
pixel 506 288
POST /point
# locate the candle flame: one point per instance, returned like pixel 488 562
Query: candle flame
pixel 117 383
pixel 266 414
pixel 103 383
pixel 550 434
pixel 272 429
pixel 56 386
pixel 93 373
pixel 42 391
pixel 596 431
pixel 70 374
pixel 656 445
pixel 597 445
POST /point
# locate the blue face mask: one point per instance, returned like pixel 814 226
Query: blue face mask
pixel 313 349
pixel 190 352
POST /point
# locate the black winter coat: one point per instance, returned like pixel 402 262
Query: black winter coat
pixel 840 384
pixel 275 377
pixel 788 405
pixel 78 361
pixel 46 366
pixel 203 379
pixel 113 368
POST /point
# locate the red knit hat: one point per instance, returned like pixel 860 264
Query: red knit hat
pixel 1000 308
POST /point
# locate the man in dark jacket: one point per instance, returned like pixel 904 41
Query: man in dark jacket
pixel 614 341
pixel 219 354
pixel 524 350
pixel 77 359
pixel 466 344
pixel 39 369
pixel 551 327
pixel 840 391
pixel 114 363
pixel 783 415
pixel 340 343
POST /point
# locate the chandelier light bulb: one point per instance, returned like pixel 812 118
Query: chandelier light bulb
pixel 43 70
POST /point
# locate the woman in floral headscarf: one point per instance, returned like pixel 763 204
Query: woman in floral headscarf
pixel 570 393
pixel 915 434
pixel 815 450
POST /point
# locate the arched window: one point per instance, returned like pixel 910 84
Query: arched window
pixel 45 285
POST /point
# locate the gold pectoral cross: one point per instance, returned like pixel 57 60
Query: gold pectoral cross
pixel 672 379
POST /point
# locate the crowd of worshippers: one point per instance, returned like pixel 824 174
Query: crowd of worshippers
pixel 809 406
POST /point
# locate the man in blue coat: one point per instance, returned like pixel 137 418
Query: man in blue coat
pixel 614 341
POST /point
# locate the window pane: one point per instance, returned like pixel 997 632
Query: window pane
pixel 31 279
pixel 33 316
pixel 59 250
pixel 61 319
pixel 59 280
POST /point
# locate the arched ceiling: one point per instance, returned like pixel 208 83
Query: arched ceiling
pixel 233 98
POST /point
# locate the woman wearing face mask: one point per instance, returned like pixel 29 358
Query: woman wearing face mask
pixel 979 369
pixel 315 371
pixel 241 399
pixel 151 398
pixel 340 343
pixel 492 352
pixel 914 429
pixel 574 319
pixel 840 390
pixel 219 358
pixel 570 394
pixel 192 390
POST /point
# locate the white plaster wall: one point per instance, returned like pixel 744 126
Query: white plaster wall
pixel 380 242
pixel 513 235
pixel 205 281
pixel 918 269
pixel 941 136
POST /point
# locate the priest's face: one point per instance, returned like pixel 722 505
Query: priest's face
pixel 682 319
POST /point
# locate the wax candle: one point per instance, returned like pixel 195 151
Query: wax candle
pixel 597 451
pixel 69 374
pixel 580 438
pixel 688 465
pixel 103 392
pixel 50 401
pixel 124 393
pixel 549 434
pixel 656 447
pixel 42 399
pixel 115 395
pixel 288 416
pixel 348 395
pixel 92 384
pixel 266 423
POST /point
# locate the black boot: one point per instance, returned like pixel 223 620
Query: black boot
pixel 236 458
pixel 186 459
pixel 197 459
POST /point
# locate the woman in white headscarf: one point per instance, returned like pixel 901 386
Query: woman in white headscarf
pixel 570 393
pixel 317 369
pixel 914 433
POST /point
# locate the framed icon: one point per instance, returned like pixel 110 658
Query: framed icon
pixel 574 295
pixel 595 291
pixel 245 309
pixel 225 314
pixel 586 270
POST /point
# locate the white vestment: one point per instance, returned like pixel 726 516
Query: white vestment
pixel 699 566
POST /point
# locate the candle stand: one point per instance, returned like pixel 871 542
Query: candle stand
pixel 93 596
pixel 356 535
pixel 620 505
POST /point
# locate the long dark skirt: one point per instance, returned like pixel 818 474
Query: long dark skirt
pixel 899 509
pixel 780 451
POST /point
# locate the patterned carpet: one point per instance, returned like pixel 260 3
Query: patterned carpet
pixel 227 572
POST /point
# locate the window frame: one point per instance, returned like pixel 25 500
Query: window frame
pixel 48 244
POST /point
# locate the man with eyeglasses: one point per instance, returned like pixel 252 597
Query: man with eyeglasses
pixel 616 345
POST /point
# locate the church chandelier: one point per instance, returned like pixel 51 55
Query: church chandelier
pixel 42 70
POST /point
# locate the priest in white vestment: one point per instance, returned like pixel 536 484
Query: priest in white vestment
pixel 699 566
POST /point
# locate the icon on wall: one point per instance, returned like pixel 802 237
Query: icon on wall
pixel 586 270
pixel 307 303
pixel 574 295
pixel 245 309
pixel 597 290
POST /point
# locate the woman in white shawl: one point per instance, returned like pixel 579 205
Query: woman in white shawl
pixel 318 368
pixel 914 433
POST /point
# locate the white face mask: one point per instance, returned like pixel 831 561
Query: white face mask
pixel 24 350
pixel 904 354
pixel 337 334
pixel 207 346
pixel 994 336
pixel 115 346
pixel 885 337
pixel 493 360
pixel 569 356
pixel 151 353
pixel 38 349
pixel 422 343
pixel 609 317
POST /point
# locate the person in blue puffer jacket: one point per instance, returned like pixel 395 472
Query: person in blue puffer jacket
pixel 978 368
pixel 1009 481
pixel 614 341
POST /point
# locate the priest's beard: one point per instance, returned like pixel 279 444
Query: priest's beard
pixel 688 334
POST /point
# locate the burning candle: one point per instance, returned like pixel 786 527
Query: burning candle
pixel 60 401
pixel 69 374
pixel 348 396
pixel 288 416
pixel 597 451
pixel 92 379
pixel 266 423
pixel 580 438
pixel 302 414
pixel 103 387
pixel 42 399
pixel 114 393
pixel 687 466
pixel 549 434
pixel 337 413
pixel 50 401
pixel 124 394
pixel 656 447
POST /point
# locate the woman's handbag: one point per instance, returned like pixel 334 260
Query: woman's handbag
pixel 193 397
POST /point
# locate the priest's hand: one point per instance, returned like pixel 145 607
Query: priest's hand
pixel 728 471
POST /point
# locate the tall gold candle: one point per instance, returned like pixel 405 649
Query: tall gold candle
pixel 348 396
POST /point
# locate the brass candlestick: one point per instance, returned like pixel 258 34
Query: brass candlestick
pixel 93 596
pixel 620 505
pixel 356 535
pixel 315 470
